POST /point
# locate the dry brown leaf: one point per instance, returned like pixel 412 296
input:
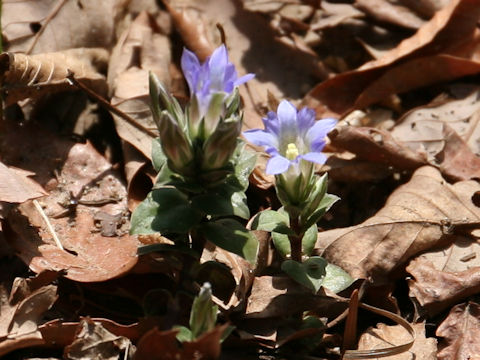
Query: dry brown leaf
pixel 444 276
pixel 451 26
pixel 93 341
pixel 390 12
pixel 422 129
pixel 377 146
pixel 20 315
pixel 30 76
pixel 416 217
pixel 94 232
pixel 41 26
pixel 384 336
pixel 162 345
pixel 461 331
pixel 16 185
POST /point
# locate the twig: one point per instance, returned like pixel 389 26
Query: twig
pixel 49 225
pixel 71 79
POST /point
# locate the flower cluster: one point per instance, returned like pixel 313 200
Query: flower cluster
pixel 203 139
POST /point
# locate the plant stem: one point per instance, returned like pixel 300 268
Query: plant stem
pixel 296 240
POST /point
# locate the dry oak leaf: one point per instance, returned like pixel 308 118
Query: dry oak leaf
pixel 30 76
pixel 461 331
pixel 93 341
pixel 41 26
pixel 422 129
pixel 451 26
pixel 141 49
pixel 21 313
pixel 416 217
pixel 94 250
pixel 17 187
pixel 384 336
pixel 446 275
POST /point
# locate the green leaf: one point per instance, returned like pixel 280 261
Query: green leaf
pixel 159 160
pixel 232 236
pixel 222 204
pixel 282 243
pixel 310 273
pixel 336 279
pixel 184 334
pixel 244 161
pixel 203 315
pixel 273 221
pixel 309 239
pixel 325 205
pixel 164 210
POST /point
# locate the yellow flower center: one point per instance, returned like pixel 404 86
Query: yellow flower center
pixel 292 151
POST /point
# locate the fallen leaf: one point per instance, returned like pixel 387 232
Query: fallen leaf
pixel 445 276
pixel 17 187
pixel 390 12
pixel 20 316
pixel 31 76
pixel 461 331
pixel 93 341
pixel 422 129
pixel 450 26
pixel 163 345
pixel 86 178
pixel 416 217
pixel 46 25
pixel 384 336
pixel 377 146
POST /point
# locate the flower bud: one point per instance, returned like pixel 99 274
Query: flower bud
pixel 175 145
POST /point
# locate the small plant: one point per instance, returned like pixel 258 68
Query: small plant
pixel 203 170
pixel 295 141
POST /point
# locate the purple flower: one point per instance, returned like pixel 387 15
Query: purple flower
pixel 210 84
pixel 291 136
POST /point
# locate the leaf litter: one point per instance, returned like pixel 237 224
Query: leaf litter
pixel 409 67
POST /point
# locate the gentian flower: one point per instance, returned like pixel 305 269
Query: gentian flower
pixel 210 84
pixel 291 136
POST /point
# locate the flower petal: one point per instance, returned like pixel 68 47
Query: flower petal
pixel 315 136
pixel 261 138
pixel 271 123
pixel 243 79
pixel 306 119
pixel 287 120
pixel 277 165
pixel 315 157
pixel 191 69
pixel 217 64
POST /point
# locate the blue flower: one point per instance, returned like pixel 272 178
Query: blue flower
pixel 291 136
pixel 210 84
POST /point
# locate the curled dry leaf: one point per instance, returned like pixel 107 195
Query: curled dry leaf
pixel 449 27
pixel 96 250
pixel 445 276
pixel 30 76
pixel 93 341
pixel 141 48
pixel 416 217
pixel 388 12
pixel 377 146
pixel 16 186
pixel 384 336
pixel 422 129
pixel 461 331
pixel 20 315
pixel 41 26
